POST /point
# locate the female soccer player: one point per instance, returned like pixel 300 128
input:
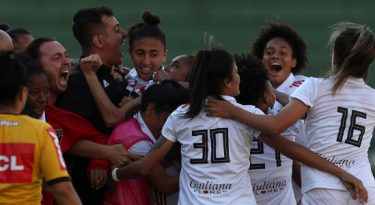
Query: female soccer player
pixel 215 151
pixel 148 51
pixel 283 52
pixel 340 117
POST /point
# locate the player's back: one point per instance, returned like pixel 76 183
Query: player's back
pixel 271 171
pixel 339 128
pixel 24 144
pixel 215 158
pixel 346 119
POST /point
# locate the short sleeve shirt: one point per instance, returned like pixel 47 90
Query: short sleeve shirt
pixel 215 157
pixel 29 153
pixel 339 128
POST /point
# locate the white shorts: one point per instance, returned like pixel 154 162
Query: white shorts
pixel 334 197
pixel 297 193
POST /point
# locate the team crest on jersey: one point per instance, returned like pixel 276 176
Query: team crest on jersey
pixel 209 187
pixel 297 83
pixel 55 140
pixel 105 83
pixel 59 134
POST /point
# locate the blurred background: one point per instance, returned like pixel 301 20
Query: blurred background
pixel 233 23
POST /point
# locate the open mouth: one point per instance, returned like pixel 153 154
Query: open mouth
pixel 64 76
pixel 276 67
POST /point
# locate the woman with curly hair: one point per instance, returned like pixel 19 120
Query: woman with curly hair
pixel 283 52
pixel 339 117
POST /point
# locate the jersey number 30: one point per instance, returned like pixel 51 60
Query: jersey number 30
pixel 213 135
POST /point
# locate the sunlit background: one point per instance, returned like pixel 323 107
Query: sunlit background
pixel 233 23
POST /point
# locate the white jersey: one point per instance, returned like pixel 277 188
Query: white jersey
pixel 136 85
pixel 288 87
pixel 270 171
pixel 215 157
pixel 339 128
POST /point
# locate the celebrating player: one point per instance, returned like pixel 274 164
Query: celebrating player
pixel 215 151
pixel 340 117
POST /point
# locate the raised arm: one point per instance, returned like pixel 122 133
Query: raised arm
pixel 111 114
pixel 270 124
pixel 306 156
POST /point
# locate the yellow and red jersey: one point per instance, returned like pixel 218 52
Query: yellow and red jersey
pixel 29 154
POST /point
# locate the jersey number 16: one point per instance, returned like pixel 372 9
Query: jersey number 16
pixel 353 126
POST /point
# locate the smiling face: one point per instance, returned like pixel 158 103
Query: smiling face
pixel 56 63
pixel 38 92
pixel 148 55
pixel 278 60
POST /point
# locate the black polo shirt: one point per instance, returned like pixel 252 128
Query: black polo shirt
pixel 78 99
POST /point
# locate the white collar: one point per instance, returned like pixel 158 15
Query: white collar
pixel 144 127
pixel 287 82
pixel 43 117
pixel 134 75
pixel 353 80
pixel 229 98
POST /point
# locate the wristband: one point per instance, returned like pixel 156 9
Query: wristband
pixel 114 175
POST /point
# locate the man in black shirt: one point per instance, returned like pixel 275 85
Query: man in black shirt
pixel 98 32
pixel 78 97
